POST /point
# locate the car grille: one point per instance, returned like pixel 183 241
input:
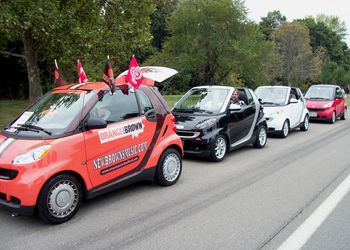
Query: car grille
pixel 187 134
pixel 316 110
pixel 13 199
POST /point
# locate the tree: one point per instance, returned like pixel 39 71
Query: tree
pixel 212 42
pixel 68 30
pixel 293 44
pixel 158 21
pixel 269 23
pixel 322 35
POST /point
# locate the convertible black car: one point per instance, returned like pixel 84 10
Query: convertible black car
pixel 210 124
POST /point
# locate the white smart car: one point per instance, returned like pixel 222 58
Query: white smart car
pixel 284 108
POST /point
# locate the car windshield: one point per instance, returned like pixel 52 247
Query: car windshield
pixel 320 93
pixel 204 100
pixel 52 114
pixel 272 96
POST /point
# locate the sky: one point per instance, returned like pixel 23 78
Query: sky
pixel 294 9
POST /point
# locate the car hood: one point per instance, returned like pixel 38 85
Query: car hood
pixel 189 121
pixel 314 104
pixel 10 148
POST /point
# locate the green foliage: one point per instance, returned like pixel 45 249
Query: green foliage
pixel 322 35
pixel 88 30
pixel 298 61
pixel 159 29
pixel 333 73
pixel 212 42
pixel 269 23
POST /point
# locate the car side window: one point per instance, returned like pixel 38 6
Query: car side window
pixel 250 99
pixel 116 107
pixel 338 93
pixel 293 94
pixel 145 103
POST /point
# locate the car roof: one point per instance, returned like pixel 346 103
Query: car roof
pixel 83 86
pixel 213 87
pixel 89 86
pixel 275 86
pixel 325 85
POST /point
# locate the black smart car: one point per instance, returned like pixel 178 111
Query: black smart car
pixel 209 124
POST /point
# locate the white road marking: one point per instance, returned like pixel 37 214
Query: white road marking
pixel 310 225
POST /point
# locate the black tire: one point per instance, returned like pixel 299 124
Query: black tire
pixel 285 129
pixel 169 167
pixel 219 149
pixel 333 118
pixel 345 114
pixel 306 124
pixel 261 137
pixel 64 189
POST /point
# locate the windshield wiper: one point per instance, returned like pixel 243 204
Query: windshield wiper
pixel 29 127
pixel 192 110
pixel 317 98
pixel 269 102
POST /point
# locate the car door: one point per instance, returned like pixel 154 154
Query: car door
pixel 117 150
pixel 295 110
pixel 241 121
pixel 339 101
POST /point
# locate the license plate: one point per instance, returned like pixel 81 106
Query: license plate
pixel 313 114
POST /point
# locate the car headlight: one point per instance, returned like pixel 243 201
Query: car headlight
pixel 207 123
pixel 33 155
pixel 274 114
pixel 327 105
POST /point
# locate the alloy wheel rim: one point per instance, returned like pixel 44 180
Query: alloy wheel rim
pixel 171 167
pixel 333 117
pixel 306 122
pixel 262 136
pixel 345 113
pixel 220 148
pixel 63 199
pixel 285 129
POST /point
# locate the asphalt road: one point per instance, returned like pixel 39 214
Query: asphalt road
pixel 254 199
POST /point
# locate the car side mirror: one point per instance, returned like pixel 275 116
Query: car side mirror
pixel 261 101
pixel 235 107
pixel 151 115
pixel 293 100
pixel 95 123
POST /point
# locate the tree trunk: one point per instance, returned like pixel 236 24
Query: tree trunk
pixel 35 89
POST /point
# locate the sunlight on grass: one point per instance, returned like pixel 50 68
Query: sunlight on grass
pixel 10 109
pixel 171 99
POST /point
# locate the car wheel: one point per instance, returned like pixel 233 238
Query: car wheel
pixel 261 137
pixel 220 147
pixel 333 118
pixel 169 167
pixel 306 124
pixel 285 129
pixel 345 114
pixel 60 198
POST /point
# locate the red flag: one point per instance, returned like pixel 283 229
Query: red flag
pixel 81 73
pixel 59 81
pixel 108 76
pixel 134 76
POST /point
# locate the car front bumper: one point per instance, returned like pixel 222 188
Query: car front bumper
pixel 274 125
pixel 195 143
pixel 321 114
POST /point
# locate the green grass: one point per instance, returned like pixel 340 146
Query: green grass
pixel 171 99
pixel 9 109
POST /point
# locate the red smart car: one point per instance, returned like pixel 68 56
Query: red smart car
pixel 79 141
pixel 327 102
